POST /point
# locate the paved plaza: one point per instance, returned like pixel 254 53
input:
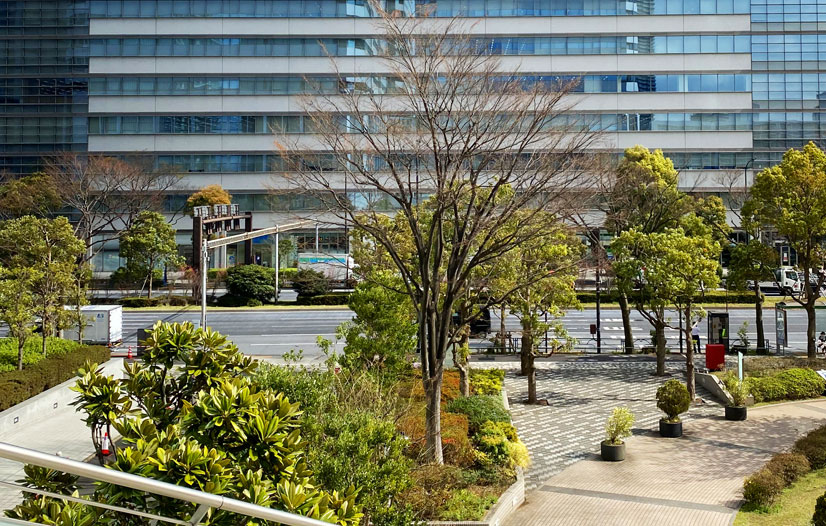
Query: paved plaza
pixel 694 480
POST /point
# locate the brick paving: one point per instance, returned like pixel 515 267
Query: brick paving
pixel 694 480
pixel 581 395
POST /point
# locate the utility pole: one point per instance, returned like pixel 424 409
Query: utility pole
pixel 599 331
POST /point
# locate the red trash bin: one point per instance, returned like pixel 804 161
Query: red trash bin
pixel 715 356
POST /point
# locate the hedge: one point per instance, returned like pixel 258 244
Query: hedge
pixel 138 302
pixel 334 298
pixel 17 386
pixel 716 296
pixel 32 351
pixel 788 384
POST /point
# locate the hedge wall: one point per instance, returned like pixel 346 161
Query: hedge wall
pixel 17 386
pixel 333 298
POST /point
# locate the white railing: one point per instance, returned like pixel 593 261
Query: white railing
pixel 204 501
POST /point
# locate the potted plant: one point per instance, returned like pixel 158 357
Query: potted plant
pixel 739 391
pixel 672 399
pixel 618 427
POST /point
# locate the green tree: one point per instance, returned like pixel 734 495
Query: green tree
pixel 666 268
pixel 34 194
pixel 210 195
pixel 641 194
pixel 77 299
pixel 382 335
pixel 17 306
pixel 553 262
pixel 790 198
pixel 189 415
pixel 753 262
pixel 50 249
pixel 149 243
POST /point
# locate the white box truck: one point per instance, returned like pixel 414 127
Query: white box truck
pixel 104 327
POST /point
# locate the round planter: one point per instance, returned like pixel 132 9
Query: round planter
pixel 671 430
pixel 612 452
pixel 736 412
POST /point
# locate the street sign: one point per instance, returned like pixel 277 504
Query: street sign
pixel 780 328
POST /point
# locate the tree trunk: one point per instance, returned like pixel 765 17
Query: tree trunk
pixel 149 291
pixel 625 309
pixel 659 335
pixel 811 350
pixel 531 378
pixel 502 337
pixel 460 359
pixel 758 316
pixel 20 344
pixel 43 332
pixel 525 351
pixel 433 423
pixel 689 357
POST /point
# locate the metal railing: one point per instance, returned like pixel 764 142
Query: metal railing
pixel 204 501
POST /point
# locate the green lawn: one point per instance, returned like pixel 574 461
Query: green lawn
pixel 796 505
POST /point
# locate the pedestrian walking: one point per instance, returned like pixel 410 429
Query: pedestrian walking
pixel 695 336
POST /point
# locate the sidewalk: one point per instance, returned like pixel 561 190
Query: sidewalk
pixel 694 480
pixel 65 433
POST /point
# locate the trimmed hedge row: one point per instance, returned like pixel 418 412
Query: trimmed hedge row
pixel 788 384
pixel 173 301
pixel 333 298
pixel 716 296
pixel 762 489
pixel 17 386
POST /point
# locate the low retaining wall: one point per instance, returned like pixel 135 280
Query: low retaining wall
pixel 713 385
pixel 44 405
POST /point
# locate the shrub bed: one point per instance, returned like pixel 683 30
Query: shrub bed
pixel 787 384
pixel 486 381
pixel 479 410
pixel 32 351
pixel 17 386
pixel 762 489
pixel 333 298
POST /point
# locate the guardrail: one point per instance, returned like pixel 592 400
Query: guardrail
pixel 204 501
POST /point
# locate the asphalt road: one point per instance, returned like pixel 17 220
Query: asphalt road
pixel 274 333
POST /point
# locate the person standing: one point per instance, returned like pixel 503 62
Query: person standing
pixel 695 336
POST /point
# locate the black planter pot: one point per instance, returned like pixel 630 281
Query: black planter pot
pixel 612 452
pixel 736 412
pixel 671 430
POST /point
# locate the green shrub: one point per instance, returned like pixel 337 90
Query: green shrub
pixel 738 390
pixel 217 274
pixel 801 383
pixel 286 275
pixel 480 409
pixel 254 303
pixel 673 399
pixel 787 384
pixel 465 505
pixel 136 303
pixel 122 277
pixel 762 489
pixel 32 351
pixel 813 447
pixel 251 282
pixel 17 386
pixel 790 466
pixel 819 518
pixel 230 300
pixel 308 283
pixel 176 301
pixel 619 425
pixel 486 381
pixel 335 298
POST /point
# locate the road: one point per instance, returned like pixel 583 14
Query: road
pixel 276 332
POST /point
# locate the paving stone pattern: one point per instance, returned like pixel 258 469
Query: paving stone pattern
pixel 580 398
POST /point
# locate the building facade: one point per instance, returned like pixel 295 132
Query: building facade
pixel 722 86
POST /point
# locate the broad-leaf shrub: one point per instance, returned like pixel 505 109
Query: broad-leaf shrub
pixel 819 517
pixel 486 381
pixel 308 283
pixel 193 418
pixel 251 282
pixel 673 399
pixel 788 384
pixel 480 409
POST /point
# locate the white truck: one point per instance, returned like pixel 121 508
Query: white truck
pixel 104 327
pixel 786 281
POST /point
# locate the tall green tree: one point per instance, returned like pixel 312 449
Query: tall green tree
pixel 751 263
pixel 34 194
pixel 662 269
pixel 50 248
pixel 17 306
pixel 641 194
pixel 790 199
pixel 148 244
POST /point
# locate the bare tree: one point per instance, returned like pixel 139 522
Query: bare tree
pixel 487 146
pixel 106 193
